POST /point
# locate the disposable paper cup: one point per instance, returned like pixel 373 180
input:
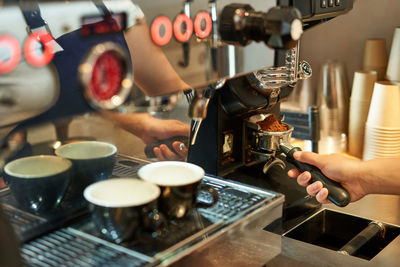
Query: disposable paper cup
pixel 357 118
pixel 384 110
pixel 388 145
pixel 392 135
pixel 370 153
pixel 363 85
pixel 393 68
pixel 375 57
pixel 383 129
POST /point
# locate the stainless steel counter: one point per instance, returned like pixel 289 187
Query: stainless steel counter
pixel 262 248
pixel 259 247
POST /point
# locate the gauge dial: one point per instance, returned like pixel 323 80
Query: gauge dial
pixel 106 76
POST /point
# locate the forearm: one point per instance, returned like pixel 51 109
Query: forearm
pixel 381 176
pixel 152 70
pixel 135 123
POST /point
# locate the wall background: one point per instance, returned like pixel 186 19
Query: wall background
pixel 343 37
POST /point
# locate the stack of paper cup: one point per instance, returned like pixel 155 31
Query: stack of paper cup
pixel 361 93
pixel 382 130
pixel 393 68
pixel 375 57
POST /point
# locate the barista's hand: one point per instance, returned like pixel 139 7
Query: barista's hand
pixel 151 130
pixel 336 167
pixel 164 153
pixel 163 129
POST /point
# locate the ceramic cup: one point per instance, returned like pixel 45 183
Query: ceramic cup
pixel 38 183
pixel 92 161
pixel 123 207
pixel 180 184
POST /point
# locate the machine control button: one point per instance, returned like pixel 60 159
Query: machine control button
pixel 183 28
pixel 324 3
pixel 330 3
pixel 161 30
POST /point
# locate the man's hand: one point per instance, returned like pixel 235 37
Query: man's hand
pixel 151 130
pixel 336 167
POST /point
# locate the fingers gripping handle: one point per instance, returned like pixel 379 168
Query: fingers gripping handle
pixel 148 150
pixel 337 194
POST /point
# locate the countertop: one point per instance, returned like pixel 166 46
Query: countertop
pixel 262 248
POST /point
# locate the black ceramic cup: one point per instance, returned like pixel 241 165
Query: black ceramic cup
pixel 93 161
pixel 180 184
pixel 38 183
pixel 123 207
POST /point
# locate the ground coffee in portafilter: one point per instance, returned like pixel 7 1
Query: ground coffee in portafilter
pixel 271 124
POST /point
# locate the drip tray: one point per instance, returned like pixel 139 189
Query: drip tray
pixel 343 232
pixel 77 242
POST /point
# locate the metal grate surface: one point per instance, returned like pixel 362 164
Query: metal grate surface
pixel 82 245
pixel 67 248
pixel 231 202
pixel 126 168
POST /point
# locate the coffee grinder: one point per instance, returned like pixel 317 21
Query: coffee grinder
pixel 229 142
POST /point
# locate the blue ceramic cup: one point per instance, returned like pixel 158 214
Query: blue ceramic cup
pixel 38 183
pixel 123 207
pixel 92 161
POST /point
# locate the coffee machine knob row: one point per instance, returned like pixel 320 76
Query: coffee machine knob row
pixel 279 28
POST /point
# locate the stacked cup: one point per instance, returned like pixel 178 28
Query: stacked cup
pixel 361 93
pixel 382 130
pixel 375 57
pixel 393 69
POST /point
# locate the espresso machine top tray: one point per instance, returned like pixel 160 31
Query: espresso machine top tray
pixel 71 238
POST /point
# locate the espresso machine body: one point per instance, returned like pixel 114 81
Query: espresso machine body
pixel 229 145
pixel 239 59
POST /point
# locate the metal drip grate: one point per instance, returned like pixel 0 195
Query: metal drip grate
pixel 67 248
pixel 82 245
pixel 126 168
pixel 231 202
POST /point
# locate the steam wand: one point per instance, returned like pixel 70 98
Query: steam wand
pixel 199 104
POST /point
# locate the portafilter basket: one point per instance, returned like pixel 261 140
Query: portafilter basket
pixel 270 140
pixel 266 140
pixel 264 144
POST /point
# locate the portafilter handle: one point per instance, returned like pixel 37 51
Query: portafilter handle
pixel 337 194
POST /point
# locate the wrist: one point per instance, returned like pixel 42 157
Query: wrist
pixel 365 178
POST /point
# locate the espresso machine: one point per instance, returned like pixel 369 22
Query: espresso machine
pixel 229 142
pixel 239 59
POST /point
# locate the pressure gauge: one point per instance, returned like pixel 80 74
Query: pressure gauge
pixel 106 76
